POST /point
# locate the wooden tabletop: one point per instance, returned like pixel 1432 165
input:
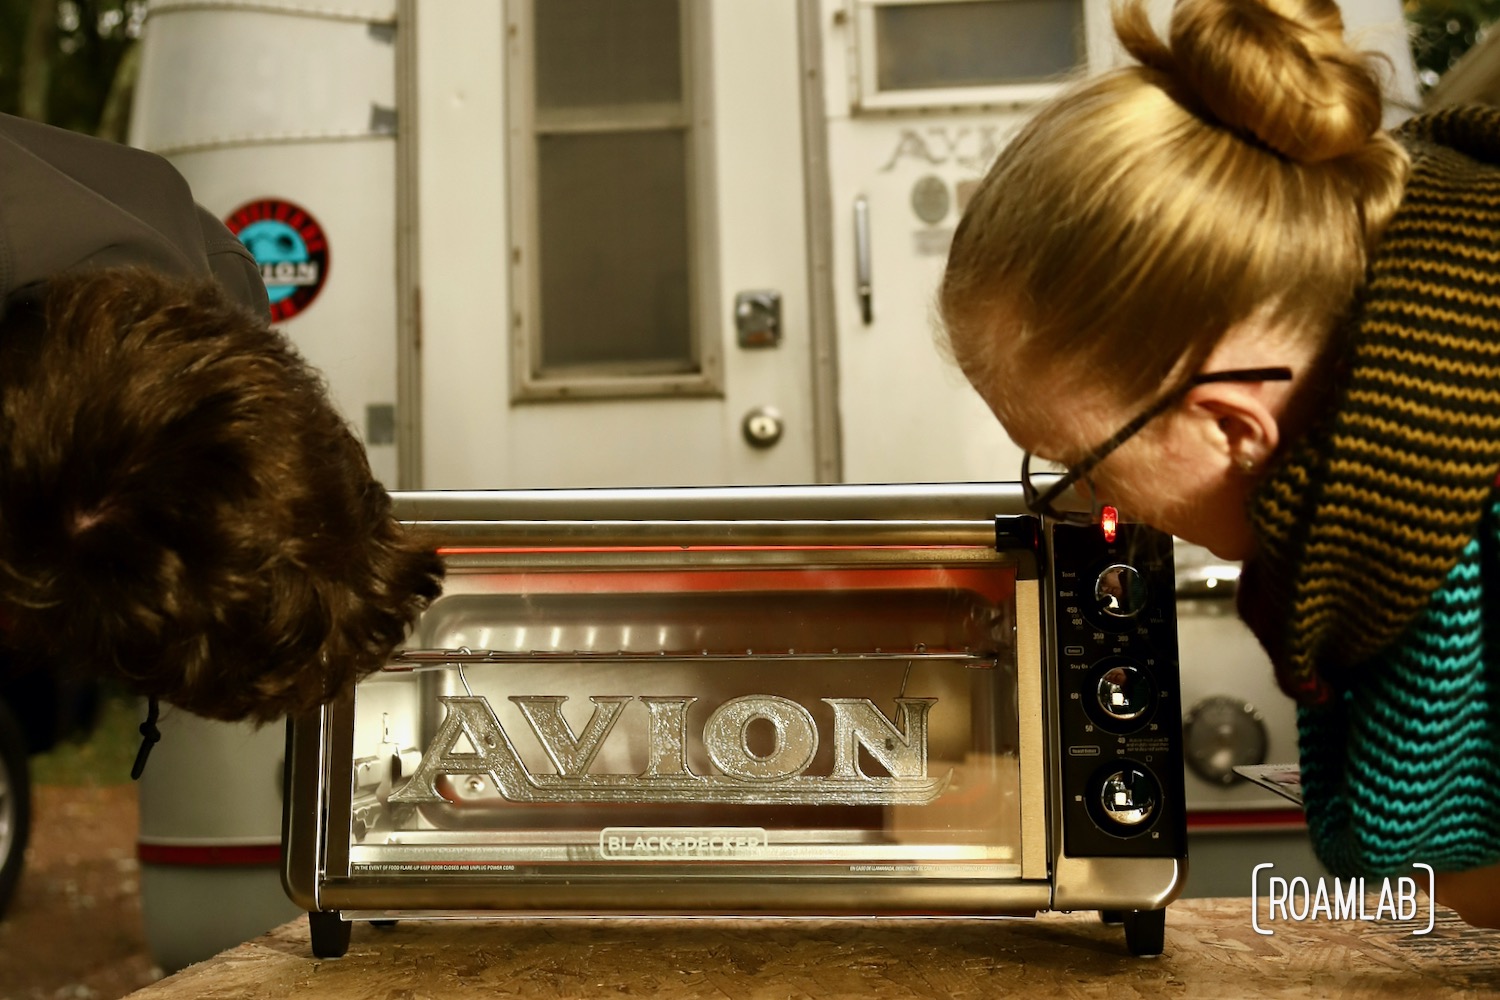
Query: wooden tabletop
pixel 1211 951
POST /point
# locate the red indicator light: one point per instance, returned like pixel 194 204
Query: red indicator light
pixel 1109 520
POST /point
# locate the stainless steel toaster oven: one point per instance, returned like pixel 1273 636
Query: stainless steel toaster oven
pixel 787 700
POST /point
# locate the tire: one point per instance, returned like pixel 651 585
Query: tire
pixel 15 804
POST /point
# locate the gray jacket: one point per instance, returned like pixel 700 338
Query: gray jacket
pixel 71 202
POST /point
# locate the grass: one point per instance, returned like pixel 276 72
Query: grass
pixel 104 757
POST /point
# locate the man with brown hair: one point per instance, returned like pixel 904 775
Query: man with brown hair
pixel 181 507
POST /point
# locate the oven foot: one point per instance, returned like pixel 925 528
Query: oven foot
pixel 1112 918
pixel 1145 931
pixel 329 932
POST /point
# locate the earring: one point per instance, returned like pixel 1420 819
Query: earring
pixel 1246 464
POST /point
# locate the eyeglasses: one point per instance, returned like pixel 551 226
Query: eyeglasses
pixel 1041 503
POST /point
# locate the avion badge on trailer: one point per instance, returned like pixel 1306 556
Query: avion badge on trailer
pixel 291 249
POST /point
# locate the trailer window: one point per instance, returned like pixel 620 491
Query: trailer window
pixel 945 52
pixel 604 199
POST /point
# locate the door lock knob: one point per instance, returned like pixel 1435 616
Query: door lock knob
pixel 762 427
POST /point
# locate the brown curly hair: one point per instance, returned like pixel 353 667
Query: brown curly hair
pixel 182 508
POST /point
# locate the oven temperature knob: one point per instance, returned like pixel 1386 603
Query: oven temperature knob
pixel 1125 692
pixel 1120 592
pixel 1128 798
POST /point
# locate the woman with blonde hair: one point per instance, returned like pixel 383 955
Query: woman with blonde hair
pixel 1216 292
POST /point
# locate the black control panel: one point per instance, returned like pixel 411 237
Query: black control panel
pixel 1119 719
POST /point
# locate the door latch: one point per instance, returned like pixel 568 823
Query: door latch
pixel 757 318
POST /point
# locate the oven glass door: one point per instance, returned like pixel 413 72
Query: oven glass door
pixel 667 713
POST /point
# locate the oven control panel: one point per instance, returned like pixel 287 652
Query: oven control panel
pixel 1119 698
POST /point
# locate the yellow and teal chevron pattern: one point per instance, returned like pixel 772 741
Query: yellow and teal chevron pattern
pixel 1367 515
pixel 1402 766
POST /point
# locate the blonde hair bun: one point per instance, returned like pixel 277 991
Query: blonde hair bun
pixel 1279 70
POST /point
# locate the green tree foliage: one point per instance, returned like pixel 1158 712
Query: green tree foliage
pixel 69 62
pixel 1443 30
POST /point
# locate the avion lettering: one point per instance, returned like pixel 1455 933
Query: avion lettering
pixel 779 775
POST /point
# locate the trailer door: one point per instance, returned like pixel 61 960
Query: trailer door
pixel 921 97
pixel 609 278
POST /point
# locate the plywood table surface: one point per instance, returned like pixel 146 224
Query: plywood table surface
pixel 1211 951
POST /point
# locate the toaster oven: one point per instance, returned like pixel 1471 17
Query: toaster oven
pixel 822 700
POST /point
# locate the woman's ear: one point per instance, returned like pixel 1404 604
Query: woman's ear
pixel 1239 422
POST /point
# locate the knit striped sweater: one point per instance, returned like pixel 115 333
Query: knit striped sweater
pixel 1378 575
pixel 1402 766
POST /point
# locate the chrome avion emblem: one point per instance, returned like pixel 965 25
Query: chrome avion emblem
pixel 899 745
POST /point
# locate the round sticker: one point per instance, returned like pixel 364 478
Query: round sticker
pixel 290 248
pixel 929 199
